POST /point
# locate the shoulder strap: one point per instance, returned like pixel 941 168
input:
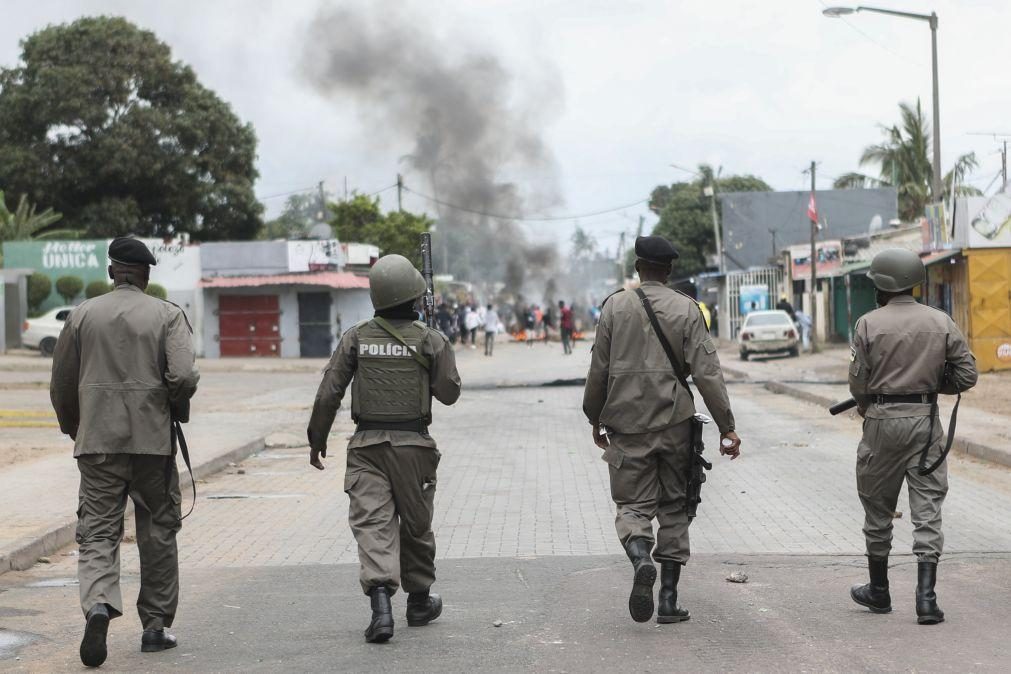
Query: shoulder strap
pixel 385 325
pixel 663 340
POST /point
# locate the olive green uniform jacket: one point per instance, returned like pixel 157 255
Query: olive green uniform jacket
pixel 631 387
pixel 444 382
pixel 121 360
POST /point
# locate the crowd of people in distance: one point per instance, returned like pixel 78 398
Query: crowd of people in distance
pixel 531 323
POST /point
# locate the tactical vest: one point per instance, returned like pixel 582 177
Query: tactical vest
pixel 390 385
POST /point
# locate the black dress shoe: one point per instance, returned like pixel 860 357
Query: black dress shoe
pixel 423 608
pixel 156 640
pixel 93 648
pixel 381 628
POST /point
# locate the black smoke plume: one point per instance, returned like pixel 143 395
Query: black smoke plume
pixel 475 132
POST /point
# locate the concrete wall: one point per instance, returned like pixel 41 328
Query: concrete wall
pixel 348 307
pixel 244 258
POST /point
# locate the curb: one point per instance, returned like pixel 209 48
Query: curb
pixel 960 445
pixel 62 535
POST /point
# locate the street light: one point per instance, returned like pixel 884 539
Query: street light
pixel 839 12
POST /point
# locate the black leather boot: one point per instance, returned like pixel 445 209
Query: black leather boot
pixel 640 601
pixel 93 648
pixel 153 641
pixel 423 608
pixel 927 610
pixel 874 595
pixel 381 627
pixel 667 610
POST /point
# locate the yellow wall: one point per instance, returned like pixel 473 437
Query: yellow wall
pixel 990 307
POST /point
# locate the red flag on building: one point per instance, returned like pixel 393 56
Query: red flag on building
pixel 812 209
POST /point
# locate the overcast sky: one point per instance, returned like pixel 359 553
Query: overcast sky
pixel 755 87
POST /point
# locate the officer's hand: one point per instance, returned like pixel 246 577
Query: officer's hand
pixel 733 449
pixel 599 437
pixel 314 455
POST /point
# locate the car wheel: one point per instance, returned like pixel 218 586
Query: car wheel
pixel 47 346
pixel 744 354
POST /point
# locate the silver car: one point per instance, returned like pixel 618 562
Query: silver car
pixel 768 332
pixel 41 333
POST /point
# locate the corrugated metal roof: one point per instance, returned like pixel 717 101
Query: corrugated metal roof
pixel 330 279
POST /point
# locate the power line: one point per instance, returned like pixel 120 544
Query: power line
pixel 520 218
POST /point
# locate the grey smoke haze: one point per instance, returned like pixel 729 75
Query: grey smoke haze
pixel 476 132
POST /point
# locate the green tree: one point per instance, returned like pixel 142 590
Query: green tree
pixel 301 212
pixel 685 218
pixel 69 287
pixel 156 290
pixel 39 288
pixel 904 160
pixel 96 288
pixel 361 220
pixel 98 121
pixel 584 245
pixel 25 223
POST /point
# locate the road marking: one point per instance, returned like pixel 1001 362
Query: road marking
pixel 22 414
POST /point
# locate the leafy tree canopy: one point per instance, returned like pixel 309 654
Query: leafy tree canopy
pixel 904 160
pixel 301 212
pixel 69 287
pixel 361 220
pixel 685 218
pixel 584 245
pixel 99 123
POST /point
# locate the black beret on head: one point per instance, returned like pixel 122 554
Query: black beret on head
pixel 655 249
pixel 130 251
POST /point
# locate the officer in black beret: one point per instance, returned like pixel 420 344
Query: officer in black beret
pixel 118 411
pixel 637 399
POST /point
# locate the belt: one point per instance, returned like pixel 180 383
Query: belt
pixel 925 398
pixel 417 425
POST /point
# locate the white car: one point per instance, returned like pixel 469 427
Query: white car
pixel 41 333
pixel 767 332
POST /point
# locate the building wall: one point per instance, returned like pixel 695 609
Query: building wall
pixel 989 308
pixel 244 258
pixel 85 259
pixel 348 307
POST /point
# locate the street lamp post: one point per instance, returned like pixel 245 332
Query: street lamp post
pixel 837 12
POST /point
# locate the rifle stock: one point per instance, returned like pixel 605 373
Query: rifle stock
pixel 839 408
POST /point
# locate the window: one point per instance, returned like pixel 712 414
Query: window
pixel 62 315
pixel 766 320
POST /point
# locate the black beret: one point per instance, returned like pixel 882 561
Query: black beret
pixel 130 251
pixel 655 249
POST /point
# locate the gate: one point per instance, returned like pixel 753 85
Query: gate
pixel 249 325
pixel 730 316
pixel 315 330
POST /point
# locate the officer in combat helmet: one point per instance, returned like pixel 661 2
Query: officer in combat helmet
pixel 394 364
pixel 903 355
pixel 641 410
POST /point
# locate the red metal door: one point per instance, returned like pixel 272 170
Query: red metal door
pixel 249 325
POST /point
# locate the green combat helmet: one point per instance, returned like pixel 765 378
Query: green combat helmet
pixel 393 280
pixel 896 269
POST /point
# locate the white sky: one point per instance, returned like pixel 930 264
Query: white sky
pixel 757 87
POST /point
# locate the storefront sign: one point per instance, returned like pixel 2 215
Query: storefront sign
pixel 829 259
pixel 982 222
pixel 753 298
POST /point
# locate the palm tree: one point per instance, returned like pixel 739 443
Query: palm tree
pixel 904 161
pixel 25 223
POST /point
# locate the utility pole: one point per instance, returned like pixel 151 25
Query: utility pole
pixel 621 259
pixel 813 307
pixel 1003 166
pixel 322 203
pixel 400 193
pixel 710 191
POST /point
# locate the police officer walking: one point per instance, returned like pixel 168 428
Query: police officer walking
pixel 124 361
pixel 395 364
pixel 641 409
pixel 903 355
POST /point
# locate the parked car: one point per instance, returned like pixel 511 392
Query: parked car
pixel 41 333
pixel 767 332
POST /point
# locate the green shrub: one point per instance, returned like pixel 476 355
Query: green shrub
pixel 155 290
pixel 96 288
pixel 69 287
pixel 39 287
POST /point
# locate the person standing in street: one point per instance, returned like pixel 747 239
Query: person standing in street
pixel 642 415
pixel 491 322
pixel 395 365
pixel 565 326
pixel 804 323
pixel 473 322
pixel 903 355
pixel 784 305
pixel 123 370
